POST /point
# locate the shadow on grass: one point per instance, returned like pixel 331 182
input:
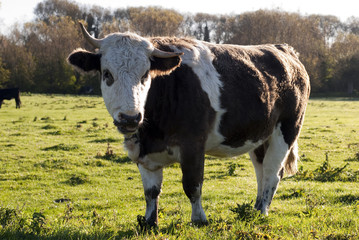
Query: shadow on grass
pixel 62 147
pixel 348 199
pixel 104 140
pixel 114 158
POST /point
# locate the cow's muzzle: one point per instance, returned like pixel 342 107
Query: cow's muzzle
pixel 128 124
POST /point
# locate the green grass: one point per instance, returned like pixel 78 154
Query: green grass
pixel 65 175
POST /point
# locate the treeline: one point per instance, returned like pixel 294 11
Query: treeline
pixel 33 55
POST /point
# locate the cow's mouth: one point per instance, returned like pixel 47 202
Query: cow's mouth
pixel 125 128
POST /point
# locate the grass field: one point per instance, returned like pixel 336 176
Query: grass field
pixel 64 175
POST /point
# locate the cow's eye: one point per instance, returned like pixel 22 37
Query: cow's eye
pixel 144 77
pixel 107 76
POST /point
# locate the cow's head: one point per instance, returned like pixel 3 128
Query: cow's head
pixel 126 62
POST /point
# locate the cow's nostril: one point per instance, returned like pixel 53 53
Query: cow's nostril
pixel 139 117
pixel 116 123
pixel 128 118
pixel 129 121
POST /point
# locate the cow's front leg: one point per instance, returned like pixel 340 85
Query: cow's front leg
pixel 192 164
pixel 152 184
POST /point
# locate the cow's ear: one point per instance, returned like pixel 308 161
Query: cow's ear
pixel 85 61
pixel 164 66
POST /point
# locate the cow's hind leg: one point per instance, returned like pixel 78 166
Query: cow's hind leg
pixel 152 184
pixel 257 157
pixel 273 166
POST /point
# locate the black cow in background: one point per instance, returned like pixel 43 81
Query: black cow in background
pixel 9 94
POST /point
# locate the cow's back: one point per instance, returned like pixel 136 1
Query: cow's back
pixel 261 86
pixel 9 93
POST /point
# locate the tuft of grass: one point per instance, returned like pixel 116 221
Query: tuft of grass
pixel 348 199
pixel 246 213
pixel 49 126
pixel 54 133
pixel 38 223
pixel 77 179
pixel 353 159
pixel 294 193
pixel 232 169
pixel 312 202
pixel 7 216
pixel 11 218
pixel 46 119
pixel 327 173
pixel 62 147
pixel 105 140
pixel 341 236
pixel 111 156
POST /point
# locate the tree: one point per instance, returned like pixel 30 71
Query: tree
pixel 4 75
pixel 96 17
pixel 352 25
pixel 21 66
pixel 348 74
pixel 60 8
pixel 346 52
pixel 345 46
pixel 51 42
pixel 17 60
pixel 201 26
pixel 206 36
pixel 329 26
pixel 154 21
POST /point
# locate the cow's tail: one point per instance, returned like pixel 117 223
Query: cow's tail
pixel 290 165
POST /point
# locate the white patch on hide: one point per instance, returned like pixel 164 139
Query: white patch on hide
pixel 133 149
pixel 150 178
pixel 155 161
pixel 198 214
pixel 273 162
pixel 200 59
pixel 227 151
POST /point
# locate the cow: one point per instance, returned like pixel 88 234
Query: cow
pixel 177 99
pixel 10 93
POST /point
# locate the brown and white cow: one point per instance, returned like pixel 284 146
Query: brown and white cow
pixel 176 99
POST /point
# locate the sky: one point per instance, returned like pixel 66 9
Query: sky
pixel 12 11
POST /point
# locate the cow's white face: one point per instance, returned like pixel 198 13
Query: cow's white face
pixel 125 62
pixel 125 78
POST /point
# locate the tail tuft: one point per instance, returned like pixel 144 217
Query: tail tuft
pixel 290 165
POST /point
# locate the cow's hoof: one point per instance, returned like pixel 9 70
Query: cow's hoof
pixel 144 225
pixel 200 223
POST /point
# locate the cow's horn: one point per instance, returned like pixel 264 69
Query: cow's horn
pixel 93 41
pixel 162 54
